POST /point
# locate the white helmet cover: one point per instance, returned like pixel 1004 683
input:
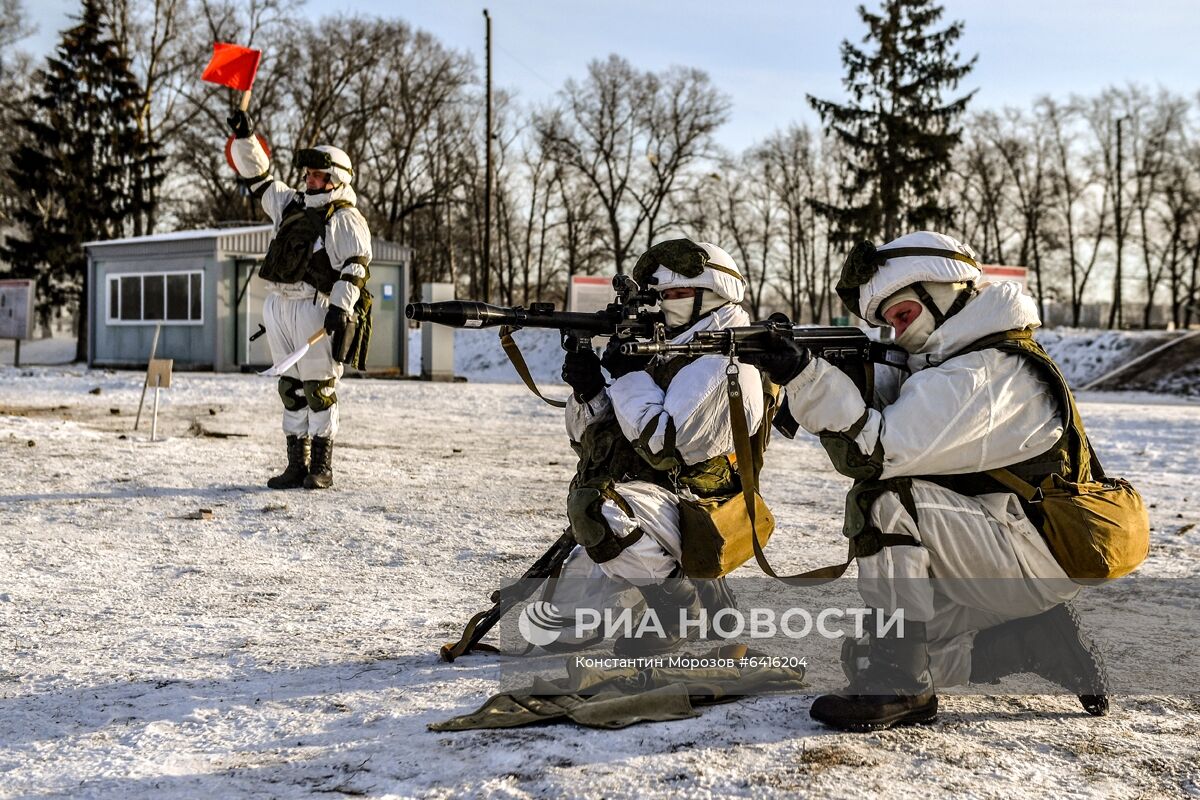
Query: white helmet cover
pixel 958 265
pixel 332 160
pixel 684 264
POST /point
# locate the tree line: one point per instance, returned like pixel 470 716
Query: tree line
pixel 1081 190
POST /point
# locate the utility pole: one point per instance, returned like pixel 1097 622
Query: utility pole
pixel 487 178
pixel 1115 313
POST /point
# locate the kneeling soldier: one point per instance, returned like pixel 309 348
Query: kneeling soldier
pixel 983 402
pixel 660 430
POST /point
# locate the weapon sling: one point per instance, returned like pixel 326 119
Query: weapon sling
pixel 518 361
pixel 873 542
pixel 547 567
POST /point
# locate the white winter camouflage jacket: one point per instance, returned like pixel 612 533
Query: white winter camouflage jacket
pixel 696 401
pixel 346 234
pixel 953 414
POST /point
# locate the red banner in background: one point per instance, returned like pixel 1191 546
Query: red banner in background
pixel 233 66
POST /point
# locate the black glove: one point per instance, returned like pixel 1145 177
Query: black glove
pixel 336 320
pixel 341 326
pixel 241 124
pixel 618 363
pixel 783 359
pixel 581 371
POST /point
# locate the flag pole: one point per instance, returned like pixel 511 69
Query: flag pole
pixel 245 104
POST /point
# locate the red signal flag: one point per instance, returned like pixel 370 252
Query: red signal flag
pixel 233 66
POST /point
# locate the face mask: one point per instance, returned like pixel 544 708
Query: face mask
pixel 917 334
pixel 677 312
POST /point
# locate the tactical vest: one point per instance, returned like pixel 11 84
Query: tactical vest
pixel 1070 456
pixel 291 258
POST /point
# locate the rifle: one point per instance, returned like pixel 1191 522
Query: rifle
pixel 843 346
pixel 625 319
pixel 506 597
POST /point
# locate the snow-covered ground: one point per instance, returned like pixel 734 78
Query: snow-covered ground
pixel 286 647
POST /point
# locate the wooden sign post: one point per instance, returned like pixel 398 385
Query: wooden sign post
pixel 146 383
pixel 159 374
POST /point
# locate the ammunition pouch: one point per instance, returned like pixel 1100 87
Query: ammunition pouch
pixel 1097 530
pixel 716 534
pixel 588 526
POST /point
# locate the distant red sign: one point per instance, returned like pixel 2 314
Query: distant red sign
pixel 999 272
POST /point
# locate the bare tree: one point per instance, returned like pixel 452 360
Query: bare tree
pixel 1022 145
pixel 631 136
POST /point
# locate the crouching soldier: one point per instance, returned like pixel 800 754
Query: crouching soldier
pixel 983 412
pixel 316 270
pixel 658 432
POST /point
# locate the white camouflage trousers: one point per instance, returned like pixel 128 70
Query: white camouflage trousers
pixel 651 559
pixel 291 316
pixel 989 565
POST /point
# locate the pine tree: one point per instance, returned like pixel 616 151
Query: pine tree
pixel 897 130
pixel 79 166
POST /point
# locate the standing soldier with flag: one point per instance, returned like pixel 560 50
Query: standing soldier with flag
pixel 316 271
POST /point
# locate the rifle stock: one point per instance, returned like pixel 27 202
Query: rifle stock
pixel 508 596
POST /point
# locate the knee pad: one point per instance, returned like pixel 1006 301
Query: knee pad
pixel 291 391
pixel 589 527
pixel 320 394
pixel 583 512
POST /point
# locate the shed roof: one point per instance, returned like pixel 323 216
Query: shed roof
pixel 249 240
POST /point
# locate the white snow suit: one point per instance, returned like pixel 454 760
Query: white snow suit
pixel 695 403
pixel 953 415
pixel 292 312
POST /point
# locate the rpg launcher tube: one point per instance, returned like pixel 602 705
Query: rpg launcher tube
pixel 473 314
pixel 461 314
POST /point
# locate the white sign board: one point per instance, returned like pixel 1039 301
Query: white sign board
pixel 998 272
pixel 16 309
pixel 590 293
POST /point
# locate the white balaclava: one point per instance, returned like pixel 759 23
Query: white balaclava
pixel 718 283
pixel 917 334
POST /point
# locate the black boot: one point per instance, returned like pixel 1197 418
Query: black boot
pixel 715 595
pixel 320 469
pixel 894 689
pixel 666 600
pixel 1050 645
pixel 297 467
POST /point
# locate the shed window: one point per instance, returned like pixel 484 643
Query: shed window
pixel 173 297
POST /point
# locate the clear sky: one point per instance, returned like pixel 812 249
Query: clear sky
pixel 767 55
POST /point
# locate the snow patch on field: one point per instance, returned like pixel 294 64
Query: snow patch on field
pixel 286 647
